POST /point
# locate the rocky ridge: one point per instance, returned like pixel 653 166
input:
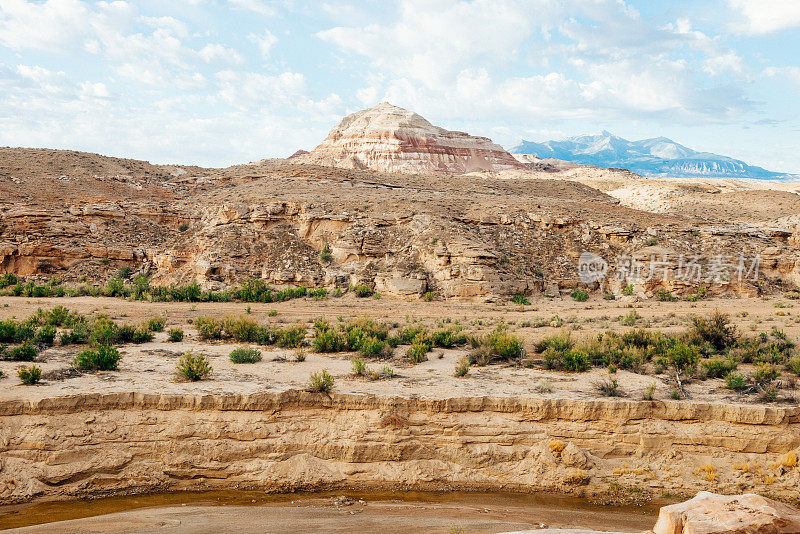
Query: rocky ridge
pixel 391 139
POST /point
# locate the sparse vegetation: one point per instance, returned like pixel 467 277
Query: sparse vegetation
pixel 175 335
pixel 98 358
pixel 30 375
pixel 320 382
pixel 245 355
pixel 193 367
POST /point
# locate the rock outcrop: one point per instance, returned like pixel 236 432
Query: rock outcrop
pixel 391 139
pixel 101 444
pixel 710 513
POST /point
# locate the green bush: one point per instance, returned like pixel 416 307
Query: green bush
pixel 718 367
pixel 12 331
pixel 77 335
pixel 683 357
pixel 175 335
pixel 128 333
pixel 359 367
pixel 409 332
pixel 292 336
pixel 30 375
pixel 372 347
pixel 665 296
pixel 429 296
pixel 520 299
pixel 103 331
pixel 716 330
pixel 418 351
pixel 448 337
pixel 99 358
pixel 245 355
pixel 504 345
pixel 462 368
pixel 58 316
pixel 580 295
pixel 363 291
pixel 46 335
pixel 735 381
pixel 610 388
pixel 115 287
pixel 208 327
pixel 242 328
pixel 793 365
pixel 193 366
pixel 628 290
pixel 320 382
pixel 156 323
pixel 765 373
pixel 631 318
pixel 25 352
pixel 325 256
pixel 327 338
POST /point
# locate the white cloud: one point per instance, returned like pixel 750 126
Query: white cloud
pixel 265 42
pixel 257 6
pixel 580 59
pixel 766 16
pixel 221 53
pixel 791 73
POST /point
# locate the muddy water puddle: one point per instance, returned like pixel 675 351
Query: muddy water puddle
pixel 338 511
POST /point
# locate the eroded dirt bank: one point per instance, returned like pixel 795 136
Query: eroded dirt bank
pixel 90 445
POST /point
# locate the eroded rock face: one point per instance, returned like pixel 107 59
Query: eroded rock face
pixel 391 139
pixel 710 513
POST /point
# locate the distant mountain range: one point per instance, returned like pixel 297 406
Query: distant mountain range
pixel 649 157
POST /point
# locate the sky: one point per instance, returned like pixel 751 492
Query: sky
pixel 218 82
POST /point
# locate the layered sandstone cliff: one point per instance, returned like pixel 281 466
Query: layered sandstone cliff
pixel 99 444
pixel 391 139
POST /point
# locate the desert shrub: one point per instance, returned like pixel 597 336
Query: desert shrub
pixel 718 367
pixel 628 290
pixel 208 327
pixel 716 330
pixel 521 299
pixel 291 336
pixel 793 365
pixel 462 368
pixel 77 335
pixel 362 290
pixel 683 357
pixel 409 332
pixel 560 342
pixel 156 323
pixel 371 347
pixel 319 293
pixel 505 346
pixel 321 381
pixel 765 373
pixel 12 331
pixel 30 375
pixel 327 338
pixel 609 387
pixel 175 335
pixel 735 381
pixel 8 279
pixel 429 296
pixel 115 287
pixel 58 316
pixel 355 332
pixel 242 328
pixel 359 367
pixel 448 337
pixel 193 366
pixel 419 349
pixel 665 296
pixel 631 318
pixel 325 255
pixel 131 334
pixel 46 335
pixel 103 331
pixel 580 295
pixel 25 352
pixel 99 358
pixel 245 355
